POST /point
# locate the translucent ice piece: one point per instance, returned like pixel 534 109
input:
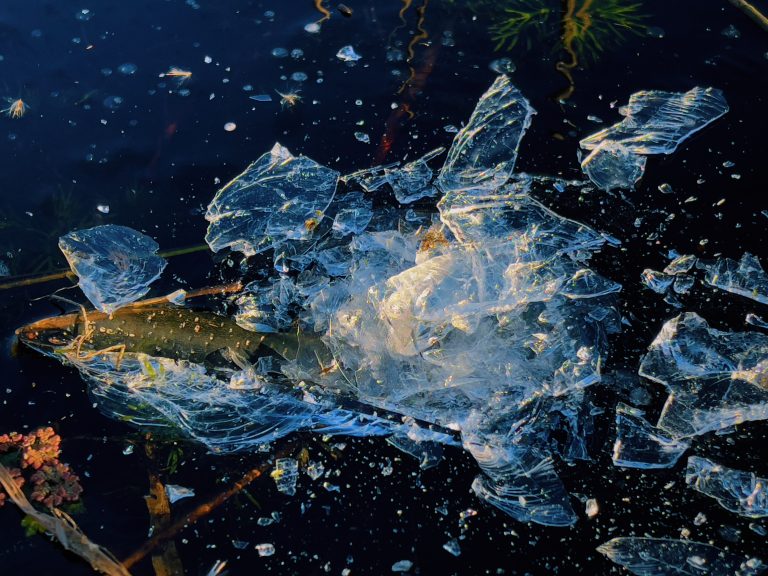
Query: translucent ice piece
pixel 665 557
pixel 412 181
pixel 114 264
pixel 486 148
pixel 353 216
pixel 737 491
pixel 715 379
pixel 680 264
pixel 285 474
pixel 348 54
pixel 657 281
pixel 523 483
pixel 176 492
pixel 639 445
pixel 278 197
pixel 745 277
pixel 611 165
pixel 656 122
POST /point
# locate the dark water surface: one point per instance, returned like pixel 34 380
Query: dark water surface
pixel 104 129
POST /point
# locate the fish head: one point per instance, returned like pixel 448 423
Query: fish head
pixel 50 335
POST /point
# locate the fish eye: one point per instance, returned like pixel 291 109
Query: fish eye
pixel 55 340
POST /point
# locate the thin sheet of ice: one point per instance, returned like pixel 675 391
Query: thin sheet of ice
pixel 485 150
pixel 715 379
pixel 278 197
pixel 741 492
pixel 655 122
pixel 114 264
pixel 666 556
pixel 745 277
pixel 353 216
pixel 639 445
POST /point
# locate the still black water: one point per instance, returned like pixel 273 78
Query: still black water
pixel 104 129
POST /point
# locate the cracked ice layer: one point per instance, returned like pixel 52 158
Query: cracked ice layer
pixel 735 490
pixel 654 122
pixel 665 556
pixel 639 445
pixel 114 264
pixel 485 150
pixel 278 197
pixel 715 379
pixel 745 277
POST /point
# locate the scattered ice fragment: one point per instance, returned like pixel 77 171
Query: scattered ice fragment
pixel 662 556
pixel 402 566
pixel 240 544
pixel 612 165
pixel 230 126
pixel 656 281
pixel 128 68
pixel 312 28
pixel 103 208
pixel 655 122
pixel 315 470
pixel 331 487
pixel 176 493
pixel 485 150
pixel 731 32
pixel 452 547
pixel 363 137
pixel 261 97
pixel 299 76
pixel 285 475
pixel 595 119
pixel 683 283
pixel 278 197
pixel 715 379
pixel 265 549
pixel 666 188
pixel 758 529
pixel 348 54
pixel 741 492
pixel 502 66
pixel 297 53
pixel 745 277
pixel 756 320
pixel 112 102
pixel 639 445
pixel 700 519
pixel 114 264
pixel 279 52
pixel 354 216
pixel 412 181
pixel 450 128
pixel 680 264
pixel 591 508
pixel 728 164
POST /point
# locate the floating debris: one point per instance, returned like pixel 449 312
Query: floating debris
pixel 16 109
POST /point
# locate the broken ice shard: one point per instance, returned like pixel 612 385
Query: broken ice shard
pixel 114 264
pixel 715 379
pixel 657 281
pixel 741 492
pixel 176 492
pixel 745 277
pixel 412 181
pixel 664 556
pixel 612 165
pixel 485 150
pixel 639 445
pixel 655 122
pixel 278 197
pixel 354 215
pixel 285 474
pixel 680 264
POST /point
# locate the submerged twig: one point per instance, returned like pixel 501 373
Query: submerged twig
pixel 753 13
pixel 64 529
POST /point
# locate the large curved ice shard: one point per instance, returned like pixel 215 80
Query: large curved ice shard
pixel 740 492
pixel 114 264
pixel 485 150
pixel 278 197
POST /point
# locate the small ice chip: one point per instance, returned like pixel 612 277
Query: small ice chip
pixel 265 549
pixel 103 208
pixel 348 54
pixel 402 566
pixel 312 28
pixel 666 188
pixel 261 97
pixel 363 137
pixel 592 508
pixel 279 52
pixel 176 492
pixel 452 547
pixel 230 126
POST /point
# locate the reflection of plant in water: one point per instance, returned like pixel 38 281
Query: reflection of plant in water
pixel 34 239
pixel 585 28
